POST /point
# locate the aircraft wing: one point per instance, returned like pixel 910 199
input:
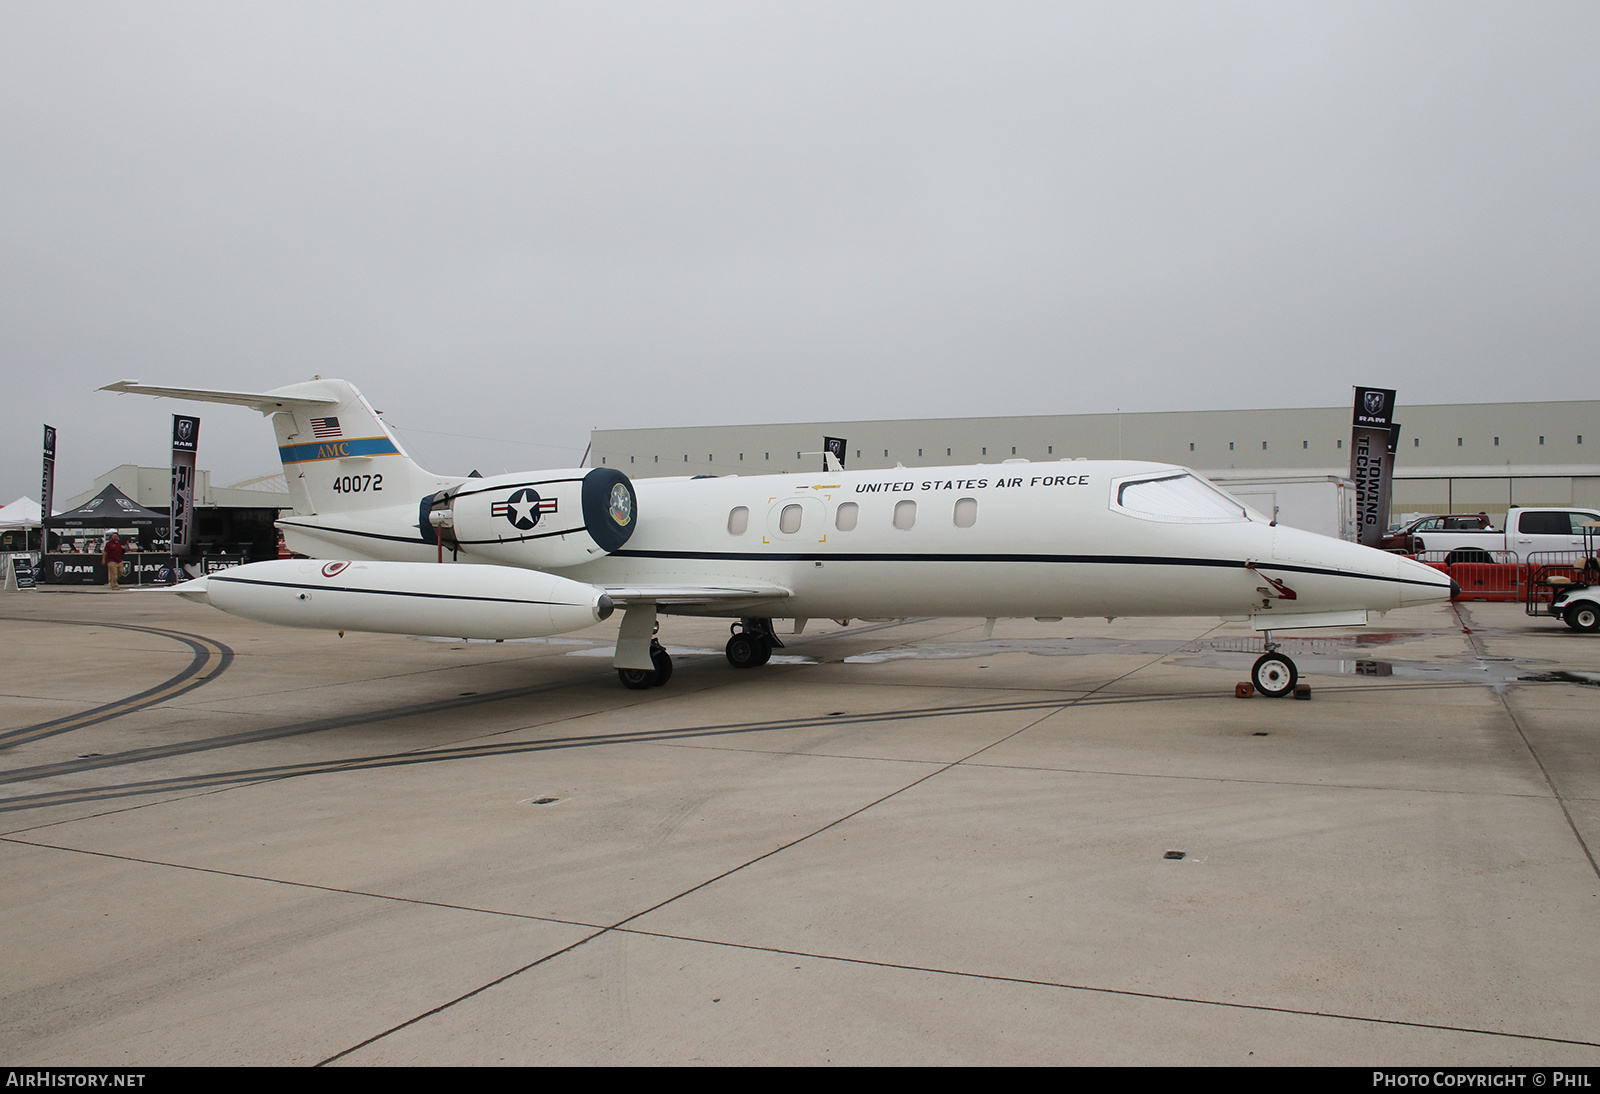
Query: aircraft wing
pixel 624 596
pixel 265 401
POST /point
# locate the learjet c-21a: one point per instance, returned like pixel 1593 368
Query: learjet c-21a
pixel 396 549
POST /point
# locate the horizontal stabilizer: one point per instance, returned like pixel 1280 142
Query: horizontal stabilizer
pixel 265 401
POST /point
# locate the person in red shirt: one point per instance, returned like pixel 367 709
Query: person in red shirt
pixel 112 557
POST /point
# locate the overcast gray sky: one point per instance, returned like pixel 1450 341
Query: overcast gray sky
pixel 509 223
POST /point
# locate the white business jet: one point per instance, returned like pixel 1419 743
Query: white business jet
pixel 403 551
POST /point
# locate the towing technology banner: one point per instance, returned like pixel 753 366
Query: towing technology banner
pixel 47 489
pixel 185 442
pixel 1372 460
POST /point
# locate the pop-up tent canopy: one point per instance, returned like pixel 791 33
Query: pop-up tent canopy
pixel 22 513
pixel 110 508
pixel 19 526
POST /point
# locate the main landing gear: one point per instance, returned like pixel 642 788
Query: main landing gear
pixel 752 643
pixel 640 679
pixel 1274 674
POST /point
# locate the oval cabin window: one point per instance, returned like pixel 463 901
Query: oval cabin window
pixel 845 518
pixel 966 512
pixel 905 514
pixel 738 521
pixel 789 520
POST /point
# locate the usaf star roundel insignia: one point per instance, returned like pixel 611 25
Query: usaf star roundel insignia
pixel 522 509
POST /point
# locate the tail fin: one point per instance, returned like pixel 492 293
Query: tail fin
pixel 338 456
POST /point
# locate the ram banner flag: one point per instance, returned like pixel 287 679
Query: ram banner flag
pixel 1372 461
pixel 47 488
pixel 185 443
pixel 833 446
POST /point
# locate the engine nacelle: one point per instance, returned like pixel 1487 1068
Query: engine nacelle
pixel 538 520
pixel 458 601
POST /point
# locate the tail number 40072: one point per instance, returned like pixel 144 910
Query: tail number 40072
pixel 356 484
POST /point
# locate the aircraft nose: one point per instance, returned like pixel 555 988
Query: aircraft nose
pixel 1423 584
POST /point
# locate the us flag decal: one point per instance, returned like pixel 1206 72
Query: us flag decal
pixel 325 427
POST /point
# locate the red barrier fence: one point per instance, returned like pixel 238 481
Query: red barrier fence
pixel 1482 575
pixel 1500 575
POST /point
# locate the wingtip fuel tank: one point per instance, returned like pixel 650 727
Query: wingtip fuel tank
pixel 462 601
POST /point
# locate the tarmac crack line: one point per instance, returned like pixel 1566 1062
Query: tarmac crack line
pixel 1533 753
pixel 290 882
pixel 1099 989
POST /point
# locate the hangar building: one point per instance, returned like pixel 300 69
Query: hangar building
pixel 1464 457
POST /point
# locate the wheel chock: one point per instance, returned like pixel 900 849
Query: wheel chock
pixel 1302 691
pixel 1243 690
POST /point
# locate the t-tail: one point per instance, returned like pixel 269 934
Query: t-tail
pixel 352 482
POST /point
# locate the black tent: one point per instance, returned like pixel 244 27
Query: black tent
pixel 109 509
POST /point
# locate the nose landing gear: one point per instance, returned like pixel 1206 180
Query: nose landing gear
pixel 1274 673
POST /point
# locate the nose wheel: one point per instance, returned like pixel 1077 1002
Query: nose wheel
pixel 1274 675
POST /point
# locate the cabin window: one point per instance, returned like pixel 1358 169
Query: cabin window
pixel 1179 499
pixel 738 521
pixel 789 520
pixel 966 512
pixel 905 514
pixel 845 518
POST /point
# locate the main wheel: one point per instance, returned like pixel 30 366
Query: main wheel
pixel 663 663
pixel 744 651
pixel 1584 616
pixel 1274 675
pixel 637 679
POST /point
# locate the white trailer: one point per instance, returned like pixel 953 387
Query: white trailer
pixel 1325 504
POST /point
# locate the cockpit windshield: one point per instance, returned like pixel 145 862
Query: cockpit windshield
pixel 1178 498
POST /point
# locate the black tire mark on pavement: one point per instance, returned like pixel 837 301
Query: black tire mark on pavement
pixel 211 659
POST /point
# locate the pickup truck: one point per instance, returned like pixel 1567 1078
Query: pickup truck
pixel 1548 528
pixel 1407 538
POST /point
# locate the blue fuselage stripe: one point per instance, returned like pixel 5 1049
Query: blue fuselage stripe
pixel 337 450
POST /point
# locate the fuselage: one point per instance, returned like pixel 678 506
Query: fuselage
pixel 1073 538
